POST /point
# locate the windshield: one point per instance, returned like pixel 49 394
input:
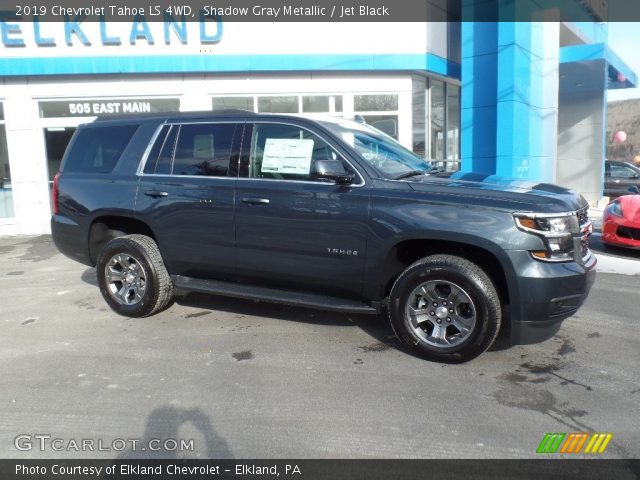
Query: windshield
pixel 382 152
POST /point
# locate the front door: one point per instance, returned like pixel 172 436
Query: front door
pixel 186 195
pixel 291 228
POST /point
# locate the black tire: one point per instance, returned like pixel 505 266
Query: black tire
pixel 479 300
pixel 155 290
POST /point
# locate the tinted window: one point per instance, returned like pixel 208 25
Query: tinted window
pixel 161 155
pixel 204 149
pixel 97 149
pixel 154 154
pixel 287 152
pixel 622 171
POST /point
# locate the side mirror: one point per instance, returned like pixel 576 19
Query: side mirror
pixel 332 170
pixel 634 189
pixel 635 177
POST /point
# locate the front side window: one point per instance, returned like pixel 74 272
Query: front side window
pixel 623 171
pixel 204 149
pixel 287 152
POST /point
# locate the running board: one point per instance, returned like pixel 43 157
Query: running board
pixel 266 294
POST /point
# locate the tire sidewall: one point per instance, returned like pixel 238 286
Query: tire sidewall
pixel 476 342
pixel 128 246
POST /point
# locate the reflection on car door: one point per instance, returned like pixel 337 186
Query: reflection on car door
pixel 186 195
pixel 290 227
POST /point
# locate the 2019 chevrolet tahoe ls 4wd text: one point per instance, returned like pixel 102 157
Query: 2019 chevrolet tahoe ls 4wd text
pixel 323 213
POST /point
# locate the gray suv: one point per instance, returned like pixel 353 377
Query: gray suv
pixel 324 213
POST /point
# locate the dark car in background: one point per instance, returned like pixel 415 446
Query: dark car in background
pixel 618 177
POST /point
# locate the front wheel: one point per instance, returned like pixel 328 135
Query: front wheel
pixel 445 308
pixel 132 277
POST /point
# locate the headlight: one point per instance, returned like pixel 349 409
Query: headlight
pixel 556 231
pixel 615 208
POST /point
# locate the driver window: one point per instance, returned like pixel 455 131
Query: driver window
pixel 287 152
pixel 622 171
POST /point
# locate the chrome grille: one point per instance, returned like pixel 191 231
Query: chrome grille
pixel 583 215
pixel 628 232
pixel 586 228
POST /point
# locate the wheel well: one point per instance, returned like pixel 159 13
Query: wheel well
pixel 105 229
pixel 405 253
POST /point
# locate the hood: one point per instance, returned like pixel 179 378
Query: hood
pixel 500 192
pixel 630 207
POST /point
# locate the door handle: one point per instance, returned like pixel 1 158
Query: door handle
pixel 255 201
pixel 156 193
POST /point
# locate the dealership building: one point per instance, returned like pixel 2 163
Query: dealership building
pixel 524 100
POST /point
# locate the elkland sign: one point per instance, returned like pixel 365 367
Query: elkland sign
pixel 74 30
pixel 79 44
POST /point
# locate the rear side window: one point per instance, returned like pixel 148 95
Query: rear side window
pixel 161 155
pixel 204 149
pixel 97 149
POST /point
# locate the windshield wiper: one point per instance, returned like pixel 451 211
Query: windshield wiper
pixel 410 173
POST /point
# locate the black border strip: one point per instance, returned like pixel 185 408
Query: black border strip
pixel 532 469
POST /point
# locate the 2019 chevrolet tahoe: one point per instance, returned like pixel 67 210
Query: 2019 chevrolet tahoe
pixel 324 213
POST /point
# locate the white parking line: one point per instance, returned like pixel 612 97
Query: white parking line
pixel 616 264
pixel 623 266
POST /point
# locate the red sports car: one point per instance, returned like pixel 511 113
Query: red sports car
pixel 621 221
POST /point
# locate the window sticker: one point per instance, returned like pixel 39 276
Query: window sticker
pixel 285 155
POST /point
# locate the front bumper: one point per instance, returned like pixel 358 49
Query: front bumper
pixel 547 293
pixel 613 229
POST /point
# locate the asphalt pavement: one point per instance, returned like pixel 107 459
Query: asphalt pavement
pixel 240 379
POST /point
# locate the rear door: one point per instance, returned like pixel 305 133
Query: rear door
pixel 292 229
pixel 186 195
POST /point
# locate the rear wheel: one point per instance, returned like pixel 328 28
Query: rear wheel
pixel 446 308
pixel 132 277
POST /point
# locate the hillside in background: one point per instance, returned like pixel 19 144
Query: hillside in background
pixel 623 115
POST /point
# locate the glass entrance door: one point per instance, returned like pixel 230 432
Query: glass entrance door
pixel 56 140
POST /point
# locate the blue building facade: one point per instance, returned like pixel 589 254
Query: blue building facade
pixel 534 100
pixel 523 99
